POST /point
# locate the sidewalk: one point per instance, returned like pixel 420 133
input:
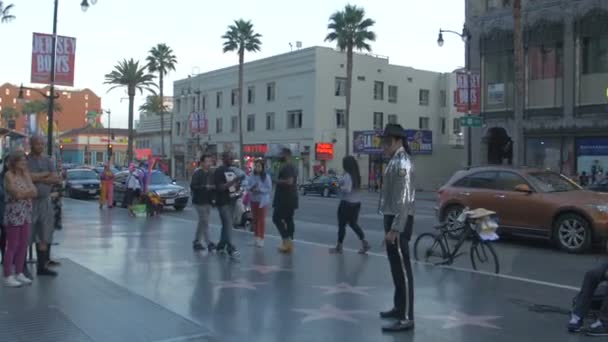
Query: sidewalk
pixel 133 279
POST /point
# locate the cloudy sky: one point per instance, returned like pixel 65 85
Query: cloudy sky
pixel 115 29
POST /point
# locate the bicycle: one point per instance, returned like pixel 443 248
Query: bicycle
pixel 481 250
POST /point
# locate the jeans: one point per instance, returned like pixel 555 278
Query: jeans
pixel 282 217
pixel 403 299
pixel 226 215
pixel 259 219
pixel 17 238
pixel 348 213
pixel 591 281
pixel 202 228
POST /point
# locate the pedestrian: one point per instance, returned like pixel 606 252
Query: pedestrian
pixel 44 176
pixel 17 216
pixel 227 186
pixel 2 206
pixel 285 201
pixel 260 186
pixel 350 205
pixel 106 194
pixel 583 180
pixel 202 198
pixel 592 280
pixel 133 188
pixel 397 205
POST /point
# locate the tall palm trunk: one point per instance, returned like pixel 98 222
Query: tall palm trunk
pixel 519 83
pixel 240 96
pixel 349 82
pixel 131 93
pixel 162 115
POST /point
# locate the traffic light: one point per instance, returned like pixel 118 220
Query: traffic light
pixel 61 149
pixel 110 148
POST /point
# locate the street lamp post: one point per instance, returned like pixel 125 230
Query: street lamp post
pixel 466 38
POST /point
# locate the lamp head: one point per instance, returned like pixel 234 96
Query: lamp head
pixel 440 39
pixel 84 5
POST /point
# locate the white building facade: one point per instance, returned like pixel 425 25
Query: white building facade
pixel 297 100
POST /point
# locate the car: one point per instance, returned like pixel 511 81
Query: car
pixel 171 194
pixel 82 183
pixel 601 186
pixel 529 202
pixel 99 169
pixel 323 185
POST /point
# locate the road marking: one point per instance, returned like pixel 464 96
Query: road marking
pixel 454 268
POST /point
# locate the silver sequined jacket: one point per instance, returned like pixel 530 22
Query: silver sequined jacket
pixel 398 191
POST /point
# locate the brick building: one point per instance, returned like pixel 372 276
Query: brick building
pixel 75 104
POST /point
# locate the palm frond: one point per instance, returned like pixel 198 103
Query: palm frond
pixel 349 27
pixel 241 37
pixel 5 15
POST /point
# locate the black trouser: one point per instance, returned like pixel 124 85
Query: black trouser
pixel 130 196
pixel 348 213
pixel 2 240
pixel 57 209
pixel 282 217
pixel 398 261
pixel 591 281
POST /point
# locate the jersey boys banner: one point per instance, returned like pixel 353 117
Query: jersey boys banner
pixel 42 51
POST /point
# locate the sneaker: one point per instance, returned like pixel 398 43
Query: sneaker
pixel 365 247
pixel 197 246
pixel 211 247
pixel 23 279
pixel 336 250
pixel 259 243
pixel 233 252
pixel 598 329
pixel 11 281
pixel 286 247
pixel 575 325
pixel 399 326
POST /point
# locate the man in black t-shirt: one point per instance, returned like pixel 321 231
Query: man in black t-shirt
pixel 227 185
pixel 285 201
pixel 202 198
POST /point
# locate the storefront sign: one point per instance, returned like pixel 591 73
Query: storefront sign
pixel 462 92
pixel 592 146
pixel 64 61
pixel 324 151
pixel 255 149
pixel 370 142
pixel 592 156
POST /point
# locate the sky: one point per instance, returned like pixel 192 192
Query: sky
pixel 112 30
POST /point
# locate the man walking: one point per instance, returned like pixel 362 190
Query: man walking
pixel 397 205
pixel 202 197
pixel 285 201
pixel 44 178
pixel 227 185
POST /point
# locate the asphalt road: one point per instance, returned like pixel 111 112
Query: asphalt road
pixel 531 259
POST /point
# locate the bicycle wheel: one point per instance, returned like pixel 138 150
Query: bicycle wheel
pixel 429 248
pixel 483 257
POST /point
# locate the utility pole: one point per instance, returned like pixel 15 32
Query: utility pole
pixel 519 84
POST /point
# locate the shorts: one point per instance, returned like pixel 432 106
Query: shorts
pixel 43 217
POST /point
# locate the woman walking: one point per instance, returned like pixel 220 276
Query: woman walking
pixel 350 205
pixel 17 217
pixel 107 187
pixel 260 186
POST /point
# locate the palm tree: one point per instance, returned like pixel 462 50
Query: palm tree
pixel 9 114
pixel 350 30
pixel 240 37
pixel 154 105
pixel 129 74
pixel 5 15
pixel 162 60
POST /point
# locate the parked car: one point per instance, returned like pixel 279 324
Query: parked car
pixel 82 183
pixel 171 194
pixel 601 186
pixel 99 169
pixel 529 202
pixel 323 185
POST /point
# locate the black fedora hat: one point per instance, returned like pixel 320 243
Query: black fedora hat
pixel 394 130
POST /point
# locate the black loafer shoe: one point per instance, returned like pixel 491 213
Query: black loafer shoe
pixel 392 314
pixel 399 326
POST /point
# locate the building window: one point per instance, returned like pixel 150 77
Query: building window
pixel 178 128
pixel 294 119
pixel 7 91
pixel 250 122
pixel 69 94
pixel 423 122
pixel 219 123
pixel 392 119
pixel 234 124
pixel 378 90
pixel 270 121
pixel 392 93
pixel 204 102
pixel 340 88
pixel 546 62
pixel 443 125
pixel 443 98
pixel 423 97
pixel 378 120
pixel 457 129
pixel 251 95
pixel 595 55
pixel 178 105
pixel 270 91
pixel 360 78
pixel 234 97
pixel 494 4
pixel 218 99
pixel 86 97
pixel 340 118
pixel 193 104
pixel 14 101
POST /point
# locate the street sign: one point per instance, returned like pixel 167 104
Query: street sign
pixel 471 121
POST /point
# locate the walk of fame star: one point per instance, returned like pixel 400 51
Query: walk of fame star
pixel 458 319
pixel 264 269
pixel 240 283
pixel 329 311
pixel 344 288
